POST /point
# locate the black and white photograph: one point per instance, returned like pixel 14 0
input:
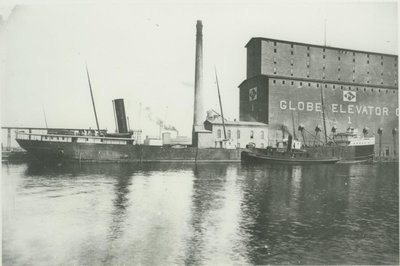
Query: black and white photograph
pixel 199 132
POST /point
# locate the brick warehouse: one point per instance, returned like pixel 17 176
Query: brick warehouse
pixel 284 81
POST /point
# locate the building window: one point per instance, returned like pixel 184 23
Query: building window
pixel 354 60
pixel 367 61
pixel 338 69
pixel 251 134
pixel 292 82
pixel 274 43
pixel 339 58
pixel 262 134
pixel 291 72
pixel 367 55
pixel 317 85
pixel 381 63
pixel 301 83
pixel 219 133
pixel 323 56
pixel 326 86
pixel 229 134
pixel 291 52
pixel 308 54
pixel 291 46
pixel 354 54
pixel 274 70
pixel 291 62
pixel 283 82
pixel 323 50
pixel 238 134
pixel 274 81
pixel 274 50
pixel 308 48
pixel 309 84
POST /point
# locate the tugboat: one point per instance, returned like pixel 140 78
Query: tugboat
pixel 345 147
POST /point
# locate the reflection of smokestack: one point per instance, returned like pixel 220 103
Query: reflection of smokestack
pixel 120 117
pixel 199 114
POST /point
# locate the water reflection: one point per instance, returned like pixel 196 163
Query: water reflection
pixel 161 214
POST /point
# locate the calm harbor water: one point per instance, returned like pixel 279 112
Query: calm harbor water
pixel 209 214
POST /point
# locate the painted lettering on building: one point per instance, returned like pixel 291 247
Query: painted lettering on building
pixel 338 108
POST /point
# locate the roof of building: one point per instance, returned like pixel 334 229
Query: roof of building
pixel 315 45
pixel 218 121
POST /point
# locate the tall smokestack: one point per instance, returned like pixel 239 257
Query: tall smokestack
pixel 199 113
pixel 120 117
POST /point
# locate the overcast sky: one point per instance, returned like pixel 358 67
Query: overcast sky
pixel 145 53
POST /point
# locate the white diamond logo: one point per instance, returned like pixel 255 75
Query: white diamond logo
pixel 253 94
pixel 349 96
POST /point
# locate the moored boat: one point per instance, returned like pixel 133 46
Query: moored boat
pixel 345 147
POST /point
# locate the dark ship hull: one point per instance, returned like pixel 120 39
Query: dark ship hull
pixel 92 152
pixel 311 155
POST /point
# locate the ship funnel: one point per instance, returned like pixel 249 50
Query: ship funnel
pixel 199 113
pixel 120 117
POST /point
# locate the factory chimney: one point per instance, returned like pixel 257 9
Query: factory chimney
pixel 120 117
pixel 199 113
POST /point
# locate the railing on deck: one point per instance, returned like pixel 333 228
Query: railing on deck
pixel 73 138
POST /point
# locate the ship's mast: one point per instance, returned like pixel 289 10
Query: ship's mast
pixel 94 106
pixel 323 114
pixel 220 104
pixel 45 119
pixel 322 92
pixel 294 131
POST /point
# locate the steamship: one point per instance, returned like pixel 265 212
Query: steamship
pixel 124 146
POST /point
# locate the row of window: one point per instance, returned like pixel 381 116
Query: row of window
pixel 339 51
pixel 333 86
pixel 323 66
pixel 229 134
pixel 339 78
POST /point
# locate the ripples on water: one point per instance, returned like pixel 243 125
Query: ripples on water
pixel 162 214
